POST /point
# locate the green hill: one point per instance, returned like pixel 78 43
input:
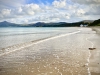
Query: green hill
pixel 95 23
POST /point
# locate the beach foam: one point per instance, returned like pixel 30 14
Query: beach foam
pixel 27 44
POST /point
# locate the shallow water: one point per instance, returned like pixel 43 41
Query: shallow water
pixel 66 55
pixel 14 36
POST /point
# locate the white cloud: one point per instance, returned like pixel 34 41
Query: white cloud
pixel 22 11
pixel 85 8
pixel 58 10
pixel 4 13
pixel 90 7
pixel 4 4
pixel 93 10
pixel 30 9
pixel 80 12
pixel 33 12
pixel 59 3
pixel 87 1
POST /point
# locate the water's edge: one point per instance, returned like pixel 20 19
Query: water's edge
pixel 16 47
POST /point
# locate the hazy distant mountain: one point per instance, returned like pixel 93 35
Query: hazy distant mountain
pixel 42 24
pixel 8 24
pixel 88 21
pixel 95 23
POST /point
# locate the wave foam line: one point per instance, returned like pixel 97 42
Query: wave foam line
pixel 32 43
pixel 88 60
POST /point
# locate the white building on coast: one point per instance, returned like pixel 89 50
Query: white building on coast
pixel 83 25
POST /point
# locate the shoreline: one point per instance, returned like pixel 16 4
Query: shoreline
pixel 94 64
pixel 96 28
pixel 56 55
pixel 17 47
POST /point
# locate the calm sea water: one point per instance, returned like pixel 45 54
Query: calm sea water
pixel 13 36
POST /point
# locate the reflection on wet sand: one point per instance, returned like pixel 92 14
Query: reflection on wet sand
pixel 50 63
pixel 66 55
pixel 95 54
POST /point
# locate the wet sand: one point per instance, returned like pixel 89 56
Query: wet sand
pixel 66 55
pixel 95 54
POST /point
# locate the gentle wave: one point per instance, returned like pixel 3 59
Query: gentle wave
pixel 14 48
pixel 24 34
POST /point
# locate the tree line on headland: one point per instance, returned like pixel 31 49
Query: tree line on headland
pixel 95 23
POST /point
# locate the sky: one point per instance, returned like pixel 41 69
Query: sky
pixel 32 11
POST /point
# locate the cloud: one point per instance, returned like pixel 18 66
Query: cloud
pixel 59 3
pixel 30 9
pixel 4 4
pixel 34 12
pixel 80 12
pixel 50 17
pixel 22 11
pixel 57 11
pixel 93 10
pixel 90 7
pixel 4 13
pixel 87 1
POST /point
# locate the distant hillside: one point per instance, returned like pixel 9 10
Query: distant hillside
pixel 42 24
pixel 8 24
pixel 59 24
pixel 95 23
pixel 88 21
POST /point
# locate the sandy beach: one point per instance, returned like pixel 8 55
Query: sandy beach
pixel 59 55
pixel 95 54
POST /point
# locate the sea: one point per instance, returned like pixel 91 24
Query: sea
pixel 11 36
pixel 45 51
